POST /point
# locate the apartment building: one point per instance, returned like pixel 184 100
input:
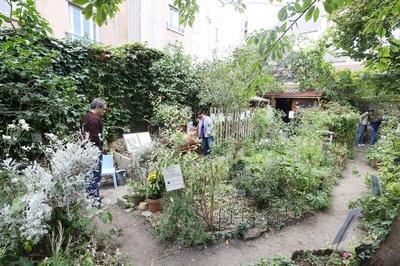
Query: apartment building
pixel 155 22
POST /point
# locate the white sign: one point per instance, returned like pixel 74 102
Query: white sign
pixel 173 177
pixel 135 141
pixel 291 114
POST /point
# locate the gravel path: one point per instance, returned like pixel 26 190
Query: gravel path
pixel 313 232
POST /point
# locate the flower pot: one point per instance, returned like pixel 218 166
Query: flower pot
pixel 154 205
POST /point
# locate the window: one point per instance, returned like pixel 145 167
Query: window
pixel 81 27
pixel 5 7
pixel 173 20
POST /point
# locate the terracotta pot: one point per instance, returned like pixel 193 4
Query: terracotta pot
pixel 154 205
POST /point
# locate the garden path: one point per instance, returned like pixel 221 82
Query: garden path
pixel 314 232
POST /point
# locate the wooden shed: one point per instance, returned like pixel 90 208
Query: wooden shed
pixel 293 100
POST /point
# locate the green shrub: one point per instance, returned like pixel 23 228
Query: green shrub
pixel 380 212
pixel 50 83
pixel 181 224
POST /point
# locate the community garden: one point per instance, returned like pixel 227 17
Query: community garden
pixel 260 177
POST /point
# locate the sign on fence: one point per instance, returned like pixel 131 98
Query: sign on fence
pixel 173 177
pixel 348 224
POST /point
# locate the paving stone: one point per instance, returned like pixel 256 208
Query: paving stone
pixel 142 206
pixel 251 234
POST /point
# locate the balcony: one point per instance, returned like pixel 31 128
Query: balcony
pixel 70 37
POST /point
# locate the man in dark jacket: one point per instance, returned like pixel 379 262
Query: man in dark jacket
pixel 92 129
pixel 374 127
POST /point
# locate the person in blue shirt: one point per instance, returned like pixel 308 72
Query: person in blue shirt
pixel 205 132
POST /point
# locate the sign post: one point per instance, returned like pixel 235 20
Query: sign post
pixel 376 185
pixel 348 224
pixel 173 177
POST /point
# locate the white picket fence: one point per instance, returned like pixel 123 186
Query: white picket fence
pixel 232 124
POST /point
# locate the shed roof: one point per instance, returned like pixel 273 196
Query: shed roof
pixel 295 94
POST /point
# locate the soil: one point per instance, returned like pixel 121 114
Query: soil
pixel 314 232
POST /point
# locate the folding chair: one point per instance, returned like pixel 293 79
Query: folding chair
pixel 108 168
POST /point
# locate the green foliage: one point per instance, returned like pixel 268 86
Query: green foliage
pixel 380 212
pixel 299 171
pixel 264 122
pixel 341 120
pixel 171 117
pixel 50 84
pixel 275 260
pixel 26 17
pixel 365 30
pixel 230 83
pixel 181 224
pixel 175 78
pixel 99 10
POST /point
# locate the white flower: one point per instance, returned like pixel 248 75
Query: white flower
pixel 5 137
pixel 7 162
pixel 11 126
pixel 26 148
pixel 24 125
pixel 50 136
pixel 14 180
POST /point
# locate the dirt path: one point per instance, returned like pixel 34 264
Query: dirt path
pixel 313 232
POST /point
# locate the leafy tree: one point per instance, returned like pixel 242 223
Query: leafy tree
pixel 26 16
pixel 230 83
pixel 99 10
pixel 365 30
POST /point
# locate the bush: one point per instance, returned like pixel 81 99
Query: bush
pixel 380 212
pixel 50 83
pixel 44 207
pixel 181 224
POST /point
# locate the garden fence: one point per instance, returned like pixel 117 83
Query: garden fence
pixel 232 124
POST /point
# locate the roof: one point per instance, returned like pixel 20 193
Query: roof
pixel 295 94
pixel 259 99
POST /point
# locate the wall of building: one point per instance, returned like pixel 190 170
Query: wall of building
pixel 115 31
pixel 56 12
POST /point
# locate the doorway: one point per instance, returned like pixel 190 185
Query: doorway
pixel 285 105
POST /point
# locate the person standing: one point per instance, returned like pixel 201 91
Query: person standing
pixel 205 132
pixel 373 128
pixel 362 127
pixel 92 129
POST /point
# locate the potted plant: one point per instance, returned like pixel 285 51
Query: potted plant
pixel 155 189
pixel 137 192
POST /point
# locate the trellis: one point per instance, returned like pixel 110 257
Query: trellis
pixel 235 124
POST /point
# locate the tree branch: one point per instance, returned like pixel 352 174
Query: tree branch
pixel 288 28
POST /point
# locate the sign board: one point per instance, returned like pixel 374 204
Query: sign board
pixel 348 224
pixel 376 185
pixel 291 114
pixel 173 177
pixel 135 141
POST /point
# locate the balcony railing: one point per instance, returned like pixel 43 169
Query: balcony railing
pixel 70 37
pixel 177 29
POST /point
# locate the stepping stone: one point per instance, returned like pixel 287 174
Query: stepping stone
pixel 251 234
pixel 142 206
pixel 147 214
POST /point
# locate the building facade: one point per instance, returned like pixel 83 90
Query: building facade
pixel 154 22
